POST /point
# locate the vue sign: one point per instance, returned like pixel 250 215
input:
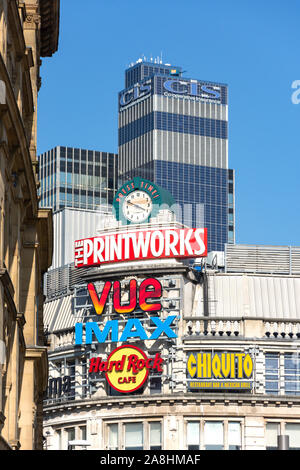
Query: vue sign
pixel 149 289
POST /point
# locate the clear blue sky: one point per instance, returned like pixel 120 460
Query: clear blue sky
pixel 253 46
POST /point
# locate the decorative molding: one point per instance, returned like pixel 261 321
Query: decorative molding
pixel 165 400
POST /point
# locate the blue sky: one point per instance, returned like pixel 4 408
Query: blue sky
pixel 252 46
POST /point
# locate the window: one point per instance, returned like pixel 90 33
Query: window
pixel 284 369
pixel 292 374
pixel 234 435
pixel 193 435
pixel 70 434
pixel 155 385
pixel 230 236
pixel 293 431
pixel 59 438
pixel 213 435
pixel 134 438
pixel 113 437
pixel 274 429
pixel 155 435
pixel 272 373
pixel 134 435
pixel 63 436
pixel 71 373
pixel 82 432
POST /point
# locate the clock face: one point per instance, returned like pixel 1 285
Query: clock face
pixel 137 206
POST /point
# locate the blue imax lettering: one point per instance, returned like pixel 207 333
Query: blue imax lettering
pixel 132 329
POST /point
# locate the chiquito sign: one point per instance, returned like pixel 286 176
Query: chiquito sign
pixel 220 370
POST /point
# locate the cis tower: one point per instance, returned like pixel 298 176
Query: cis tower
pixel 174 131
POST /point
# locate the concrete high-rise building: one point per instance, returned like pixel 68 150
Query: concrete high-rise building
pixel 174 131
pixel 79 185
pixel 77 178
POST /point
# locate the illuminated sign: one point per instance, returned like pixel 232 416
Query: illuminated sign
pixel 145 296
pixel 126 368
pixel 141 244
pixel 133 329
pixel 219 371
pixel 149 288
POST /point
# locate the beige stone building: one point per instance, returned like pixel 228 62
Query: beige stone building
pixel 28 31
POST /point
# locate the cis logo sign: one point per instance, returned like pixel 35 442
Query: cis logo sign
pixel 127 368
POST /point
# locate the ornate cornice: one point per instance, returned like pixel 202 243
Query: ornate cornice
pixel 38 354
pixel 49 11
pixel 177 400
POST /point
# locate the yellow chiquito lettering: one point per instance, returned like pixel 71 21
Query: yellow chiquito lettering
pixel 248 365
pixel 201 365
pixel 191 365
pixel 240 364
pixel 226 363
pixel 216 366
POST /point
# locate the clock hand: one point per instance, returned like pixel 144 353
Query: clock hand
pixel 136 205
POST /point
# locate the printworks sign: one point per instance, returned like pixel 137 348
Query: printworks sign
pixel 141 244
pixel 219 371
pixel 136 203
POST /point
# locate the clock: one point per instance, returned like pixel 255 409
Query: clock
pixel 139 200
pixel 137 206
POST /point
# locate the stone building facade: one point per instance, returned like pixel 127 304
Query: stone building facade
pixel 28 31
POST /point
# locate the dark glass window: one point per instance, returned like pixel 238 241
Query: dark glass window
pixel 272 373
pixel 292 374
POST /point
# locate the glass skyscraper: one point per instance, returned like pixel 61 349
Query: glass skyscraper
pixel 77 178
pixel 174 131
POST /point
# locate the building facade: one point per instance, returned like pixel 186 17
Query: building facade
pixel 79 185
pixel 28 31
pixel 77 178
pixel 70 224
pixel 220 339
pixel 174 131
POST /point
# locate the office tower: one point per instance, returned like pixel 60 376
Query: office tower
pixel 80 186
pixel 77 178
pixel 174 131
